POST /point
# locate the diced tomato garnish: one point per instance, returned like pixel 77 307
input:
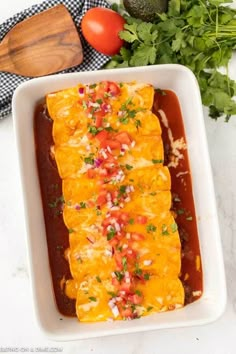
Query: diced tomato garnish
pixel 124 217
pixel 98 119
pixel 90 136
pixel 113 144
pixel 123 138
pixel 115 282
pixel 104 85
pixel 113 89
pixel 125 286
pixel 90 204
pixel 141 219
pixel 135 236
pixel 102 199
pixel 135 299
pixel 130 254
pixel 91 173
pixel 103 172
pixel 102 135
pixel 107 221
pixel 113 242
pixel 118 259
pixel 126 313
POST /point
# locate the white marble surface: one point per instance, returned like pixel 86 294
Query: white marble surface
pixel 18 329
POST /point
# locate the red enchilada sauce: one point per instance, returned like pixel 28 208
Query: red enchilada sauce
pixel 181 189
pixel 183 206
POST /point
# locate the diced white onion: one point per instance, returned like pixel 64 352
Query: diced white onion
pixel 147 262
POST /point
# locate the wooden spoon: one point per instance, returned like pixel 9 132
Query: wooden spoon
pixel 43 44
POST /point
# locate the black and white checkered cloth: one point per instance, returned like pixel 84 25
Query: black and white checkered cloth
pixel 92 59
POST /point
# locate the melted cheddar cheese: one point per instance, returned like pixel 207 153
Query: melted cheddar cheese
pixel 125 252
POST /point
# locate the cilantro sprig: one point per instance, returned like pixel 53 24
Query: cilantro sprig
pixel 200 34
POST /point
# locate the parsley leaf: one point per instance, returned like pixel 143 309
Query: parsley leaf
pixel 150 228
pixel 92 298
pixel 128 167
pixel 198 34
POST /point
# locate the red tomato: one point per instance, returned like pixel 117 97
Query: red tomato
pixel 123 138
pixel 91 173
pixel 135 299
pixel 113 144
pixel 101 27
pixel 98 119
pixel 102 135
pixel 141 219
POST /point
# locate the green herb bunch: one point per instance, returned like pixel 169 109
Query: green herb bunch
pixel 199 34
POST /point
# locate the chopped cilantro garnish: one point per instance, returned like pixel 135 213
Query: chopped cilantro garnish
pixel 124 120
pixel 124 263
pixel 99 101
pixel 174 227
pixel 138 292
pixel 122 190
pixel 89 160
pixel 70 231
pixel 155 161
pixel 153 193
pixel 119 275
pixel 84 105
pixel 132 113
pixel 137 123
pixel 146 276
pixel 93 130
pixel 180 211
pixel 111 234
pixel 56 202
pixel 92 86
pixel 164 230
pixel 131 221
pixel 110 129
pixel 161 92
pixel 112 293
pixel 82 205
pixel 119 248
pixel 98 279
pixel 128 167
pixel 138 271
pixel 149 308
pixel 150 228
pixel 92 298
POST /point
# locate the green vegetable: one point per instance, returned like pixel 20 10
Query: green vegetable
pixel 128 167
pixel 199 34
pixel 111 234
pixel 164 230
pixel 157 161
pixel 150 228
pixel 145 9
pixel 98 279
pixel 92 298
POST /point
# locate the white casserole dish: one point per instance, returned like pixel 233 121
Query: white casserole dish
pixel 212 303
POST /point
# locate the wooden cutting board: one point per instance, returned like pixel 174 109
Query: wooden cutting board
pixel 42 44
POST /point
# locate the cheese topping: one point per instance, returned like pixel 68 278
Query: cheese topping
pixel 125 252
